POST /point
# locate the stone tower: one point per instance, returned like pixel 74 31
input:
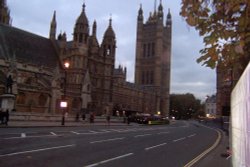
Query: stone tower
pixel 108 50
pixel 4 13
pixel 153 55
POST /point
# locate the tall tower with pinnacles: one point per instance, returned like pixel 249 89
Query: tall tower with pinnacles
pixel 153 55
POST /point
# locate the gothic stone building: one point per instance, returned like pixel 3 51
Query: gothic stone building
pixel 91 83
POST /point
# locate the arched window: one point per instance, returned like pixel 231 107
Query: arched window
pixel 2 78
pixel 81 38
pixel 88 88
pixel 42 100
pixel 144 50
pixel 21 98
pixel 152 77
pixel 143 78
pixel 149 50
pixel 76 103
pixel 147 77
pixel 153 49
pixel 29 81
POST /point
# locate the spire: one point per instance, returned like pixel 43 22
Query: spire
pixel 53 27
pixel 93 43
pixel 160 10
pixel 83 7
pixel 169 19
pixel 155 6
pixel 94 29
pixel 109 41
pixel 110 21
pixel 64 36
pixel 140 13
pixel 82 19
pixel 81 30
pixel 109 32
pixel 169 14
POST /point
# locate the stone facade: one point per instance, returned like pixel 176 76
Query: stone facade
pixel 153 56
pixel 91 83
pixel 226 78
pixel 210 106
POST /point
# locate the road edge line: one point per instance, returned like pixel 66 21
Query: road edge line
pixel 199 157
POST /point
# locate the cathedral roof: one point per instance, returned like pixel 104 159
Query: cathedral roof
pixel 109 32
pixel 27 47
pixel 82 19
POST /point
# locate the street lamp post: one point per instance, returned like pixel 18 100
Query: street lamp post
pixel 64 103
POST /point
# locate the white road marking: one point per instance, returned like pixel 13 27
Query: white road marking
pixel 111 159
pixel 104 130
pixel 162 133
pixel 31 137
pixel 23 135
pixel 179 139
pixel 229 157
pixel 185 126
pixel 92 131
pixel 159 145
pixel 192 135
pixel 101 141
pixel 43 149
pixel 54 134
pixel 142 135
pixel 75 132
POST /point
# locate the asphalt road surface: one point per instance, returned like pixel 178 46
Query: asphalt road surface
pixel 113 146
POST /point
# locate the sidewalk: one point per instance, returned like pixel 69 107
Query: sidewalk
pixel 26 124
pixel 24 119
pixel 215 157
pixel 33 124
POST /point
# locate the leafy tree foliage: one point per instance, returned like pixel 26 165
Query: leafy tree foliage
pixel 184 106
pixel 225 26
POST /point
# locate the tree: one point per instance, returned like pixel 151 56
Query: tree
pixel 225 26
pixel 184 106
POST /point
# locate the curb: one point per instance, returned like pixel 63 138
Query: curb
pixel 210 149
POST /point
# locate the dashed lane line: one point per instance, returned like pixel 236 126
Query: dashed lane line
pixel 54 134
pixel 37 150
pixel 111 159
pixel 93 131
pixel 191 135
pixel 160 133
pixel 159 145
pixel 183 138
pixel 75 132
pixel 107 140
pixel 142 135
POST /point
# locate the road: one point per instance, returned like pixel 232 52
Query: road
pixel 112 146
